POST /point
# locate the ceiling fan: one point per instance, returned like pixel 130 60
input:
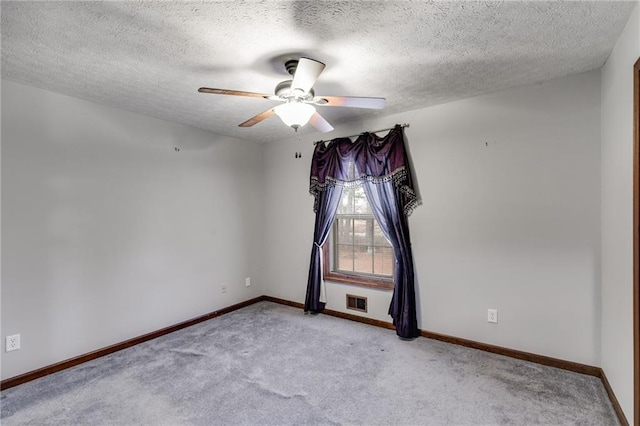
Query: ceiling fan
pixel 299 98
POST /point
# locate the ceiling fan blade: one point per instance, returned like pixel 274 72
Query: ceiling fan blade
pixel 350 101
pixel 232 92
pixel 320 124
pixel 257 118
pixel 307 72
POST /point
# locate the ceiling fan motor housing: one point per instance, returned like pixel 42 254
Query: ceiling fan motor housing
pixel 283 90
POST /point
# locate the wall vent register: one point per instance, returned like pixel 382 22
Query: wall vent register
pixel 356 303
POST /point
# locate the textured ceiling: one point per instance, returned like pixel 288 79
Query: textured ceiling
pixel 151 57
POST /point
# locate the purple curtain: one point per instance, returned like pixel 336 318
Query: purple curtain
pixel 329 169
pixel 327 204
pixel 382 167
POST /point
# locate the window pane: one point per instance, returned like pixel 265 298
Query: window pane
pixel 383 261
pixel 344 232
pixel 361 234
pixel 344 258
pixel 363 262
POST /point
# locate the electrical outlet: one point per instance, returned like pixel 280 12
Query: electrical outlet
pixel 223 288
pixel 12 343
pixel 492 316
pixel 247 282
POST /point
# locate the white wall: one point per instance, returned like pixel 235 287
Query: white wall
pixel 108 233
pixel 617 213
pixel 510 218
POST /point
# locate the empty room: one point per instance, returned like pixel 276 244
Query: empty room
pixel 320 212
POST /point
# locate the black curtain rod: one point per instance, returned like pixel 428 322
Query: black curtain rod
pixel 358 134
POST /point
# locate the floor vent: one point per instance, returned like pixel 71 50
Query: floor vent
pixel 357 303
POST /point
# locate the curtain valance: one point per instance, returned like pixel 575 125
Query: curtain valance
pixel 376 159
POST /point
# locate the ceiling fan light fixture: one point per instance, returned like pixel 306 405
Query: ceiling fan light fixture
pixel 295 114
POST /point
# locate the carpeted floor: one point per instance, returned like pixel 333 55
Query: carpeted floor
pixel 270 364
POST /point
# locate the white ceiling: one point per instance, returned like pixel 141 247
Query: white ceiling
pixel 151 57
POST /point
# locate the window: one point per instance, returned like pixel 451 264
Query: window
pixel 357 251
